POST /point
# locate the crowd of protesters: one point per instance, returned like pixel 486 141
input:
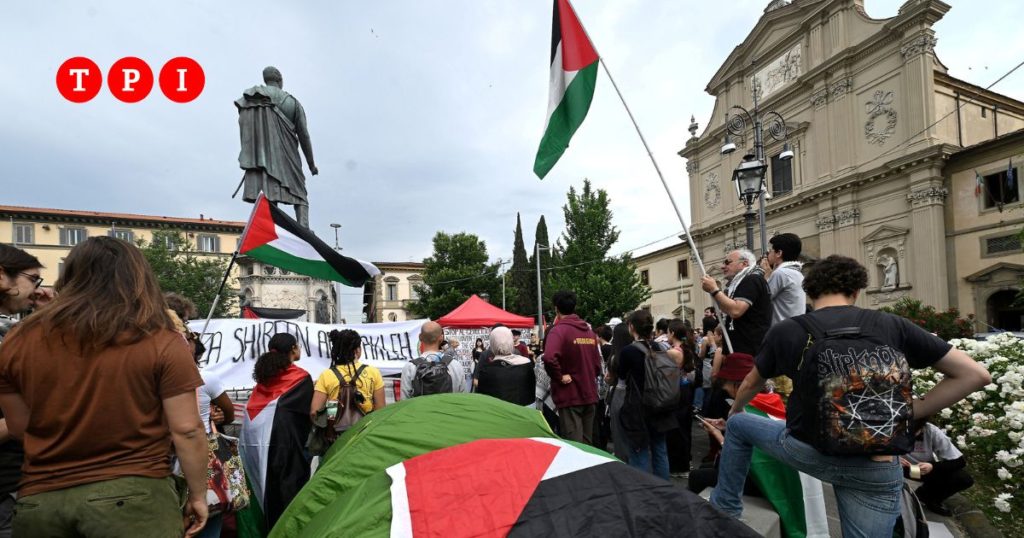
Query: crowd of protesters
pixel 128 431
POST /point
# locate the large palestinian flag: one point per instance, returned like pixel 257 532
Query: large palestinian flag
pixel 275 427
pixel 796 497
pixel 272 237
pixel 573 76
pixel 456 465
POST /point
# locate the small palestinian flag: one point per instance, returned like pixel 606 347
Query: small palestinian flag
pixel 573 77
pixel 272 237
pixel 275 427
pixel 797 497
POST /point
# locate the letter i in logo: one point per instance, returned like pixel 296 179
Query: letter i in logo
pixel 79 79
pixel 182 79
pixel 130 79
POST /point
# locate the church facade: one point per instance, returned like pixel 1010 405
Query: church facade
pixel 896 163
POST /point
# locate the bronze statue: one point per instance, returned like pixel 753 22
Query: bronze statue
pixel 272 124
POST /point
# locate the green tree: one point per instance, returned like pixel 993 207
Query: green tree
pixel 179 270
pixel 947 325
pixel 520 275
pixel 540 237
pixel 457 269
pixel 605 286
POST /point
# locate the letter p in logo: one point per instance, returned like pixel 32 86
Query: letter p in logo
pixel 130 79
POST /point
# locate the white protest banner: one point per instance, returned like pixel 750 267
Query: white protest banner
pixel 233 345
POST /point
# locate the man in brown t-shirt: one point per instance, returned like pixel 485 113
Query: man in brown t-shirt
pixel 100 428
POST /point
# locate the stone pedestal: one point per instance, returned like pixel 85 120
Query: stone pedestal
pixel 265 286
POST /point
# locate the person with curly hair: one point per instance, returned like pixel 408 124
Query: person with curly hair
pixel 867 487
pixel 346 350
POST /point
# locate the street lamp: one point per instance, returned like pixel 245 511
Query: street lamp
pixel 335 225
pixel 736 125
pixel 540 301
pixel 749 181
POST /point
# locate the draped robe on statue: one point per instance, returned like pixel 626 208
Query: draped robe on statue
pixel 272 123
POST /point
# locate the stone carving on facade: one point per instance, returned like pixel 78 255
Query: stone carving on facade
pixel 783 70
pixel 847 217
pixel 691 166
pixel 819 98
pixel 826 223
pixel 712 191
pixel 890 276
pixel 841 88
pixel 928 196
pixel 284 298
pixel 886 257
pixel 919 45
pixel 733 244
pixel 323 314
pixel 881 124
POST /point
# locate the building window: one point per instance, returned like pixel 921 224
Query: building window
pixel 70 237
pixel 413 282
pixel 984 112
pixel 1001 188
pixel 683 269
pixel 392 291
pixel 645 278
pixel 782 176
pixel 24 234
pixel 123 235
pixel 208 243
pixel 1002 244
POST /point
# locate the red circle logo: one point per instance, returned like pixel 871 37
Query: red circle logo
pixel 79 79
pixel 130 79
pixel 182 79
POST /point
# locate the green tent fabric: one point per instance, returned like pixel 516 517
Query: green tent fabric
pixel 392 435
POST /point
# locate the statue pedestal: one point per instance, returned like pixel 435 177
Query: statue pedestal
pixel 265 286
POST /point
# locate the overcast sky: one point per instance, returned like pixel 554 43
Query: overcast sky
pixel 424 116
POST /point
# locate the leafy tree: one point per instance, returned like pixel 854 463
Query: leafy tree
pixel 947 325
pixel 520 276
pixel 457 270
pixel 605 286
pixel 178 269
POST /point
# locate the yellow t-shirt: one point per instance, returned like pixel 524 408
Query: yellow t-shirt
pixel 368 383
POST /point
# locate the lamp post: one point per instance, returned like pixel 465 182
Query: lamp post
pixel 540 301
pixel 337 246
pixel 501 265
pixel 736 125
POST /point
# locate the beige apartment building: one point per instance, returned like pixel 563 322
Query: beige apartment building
pixel 49 234
pixel 393 291
pixel 889 149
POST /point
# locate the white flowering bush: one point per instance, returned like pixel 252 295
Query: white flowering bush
pixel 988 426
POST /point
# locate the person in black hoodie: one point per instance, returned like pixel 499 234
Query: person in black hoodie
pixel 509 376
pixel 645 430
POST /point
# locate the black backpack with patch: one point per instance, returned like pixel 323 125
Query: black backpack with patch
pixel 432 377
pixel 860 398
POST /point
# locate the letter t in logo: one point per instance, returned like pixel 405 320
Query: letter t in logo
pixel 79 79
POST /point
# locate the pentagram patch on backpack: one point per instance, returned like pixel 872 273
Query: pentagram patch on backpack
pixel 862 397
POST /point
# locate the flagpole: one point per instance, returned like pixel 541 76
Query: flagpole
pixel 216 298
pixel 672 199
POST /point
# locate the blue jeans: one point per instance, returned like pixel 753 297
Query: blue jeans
pixel 868 492
pixel 655 450
pixel 213 527
pixel 698 397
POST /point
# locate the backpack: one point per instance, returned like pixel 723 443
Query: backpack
pixel 431 377
pixel 661 380
pixel 860 399
pixel 349 412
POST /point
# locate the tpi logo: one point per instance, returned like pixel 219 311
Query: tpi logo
pixel 130 79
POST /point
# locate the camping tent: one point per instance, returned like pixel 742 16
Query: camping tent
pixel 476 312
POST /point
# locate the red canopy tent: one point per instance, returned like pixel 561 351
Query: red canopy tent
pixel 476 312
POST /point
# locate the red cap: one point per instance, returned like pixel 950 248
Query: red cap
pixel 736 366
